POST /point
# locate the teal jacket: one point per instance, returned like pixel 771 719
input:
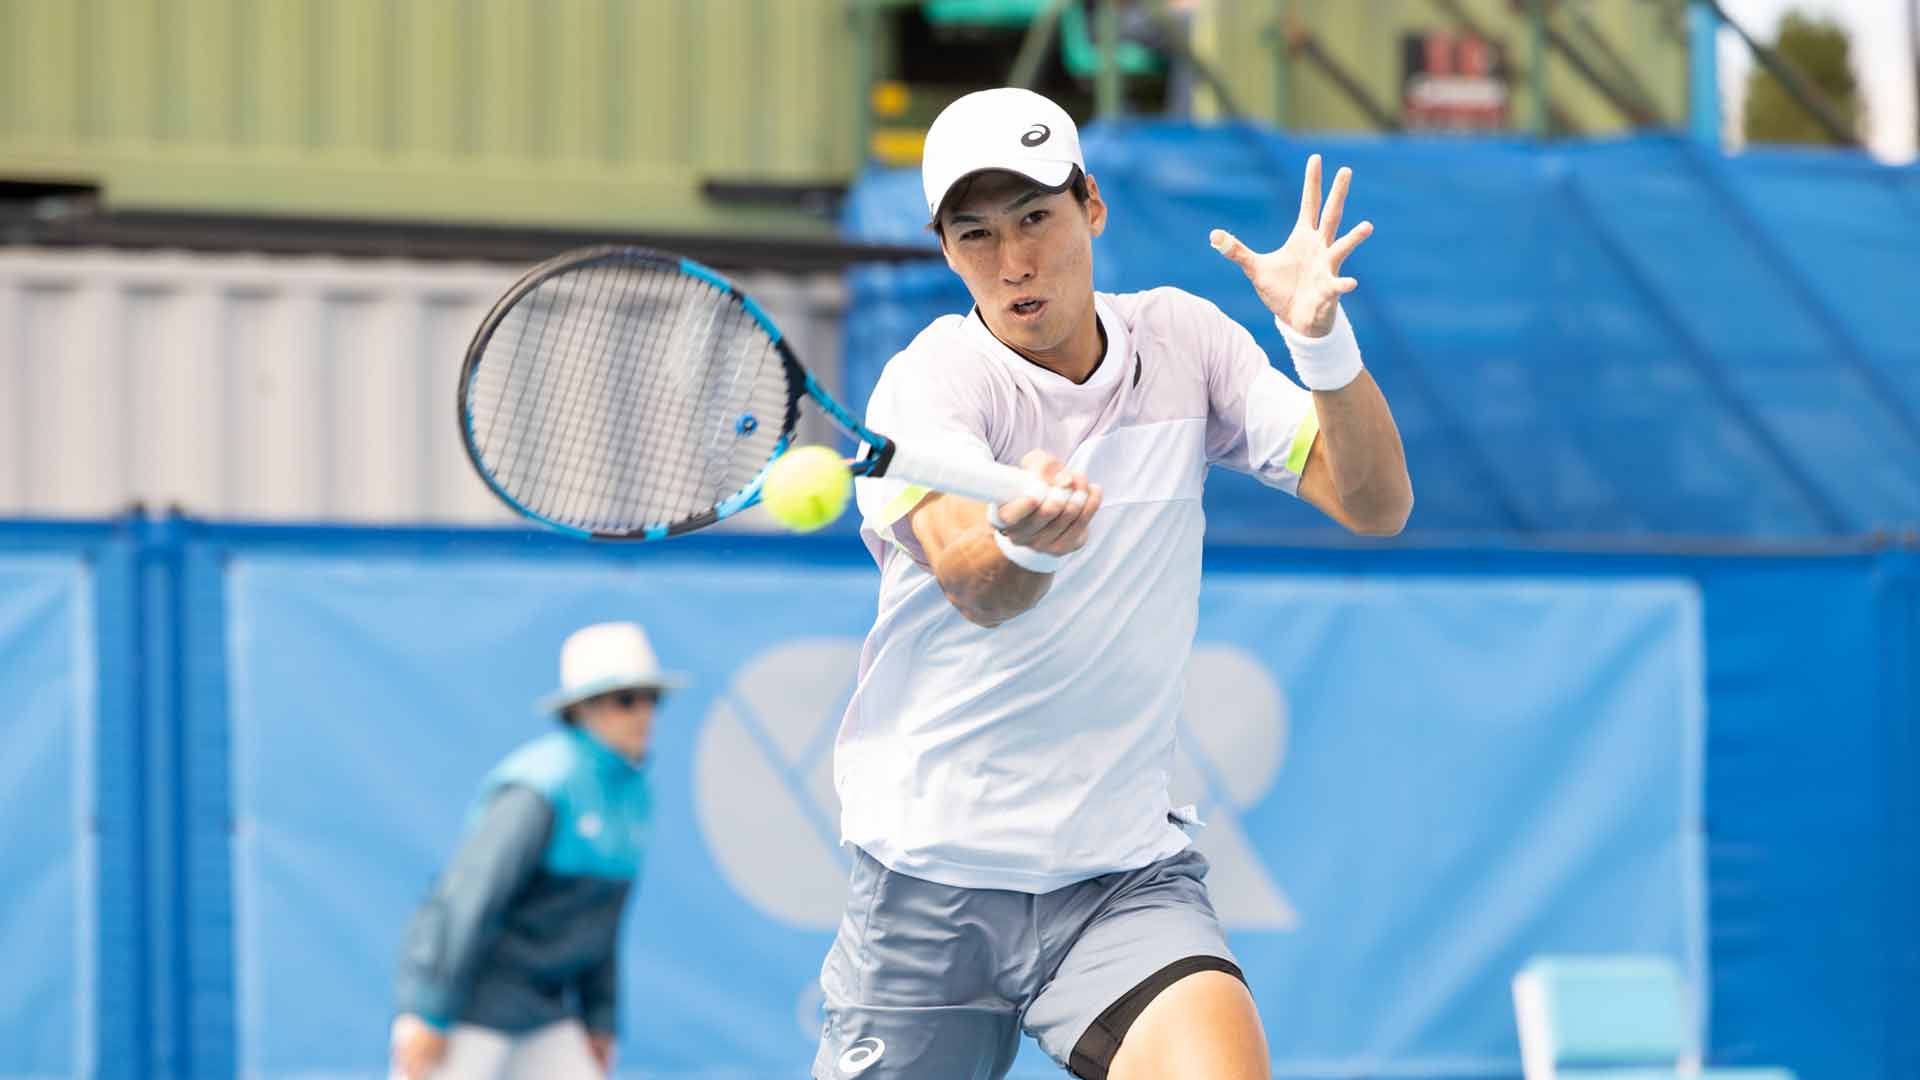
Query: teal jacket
pixel 522 928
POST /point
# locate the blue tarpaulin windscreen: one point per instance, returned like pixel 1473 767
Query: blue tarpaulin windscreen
pixel 1622 338
pixel 370 696
pixel 46 808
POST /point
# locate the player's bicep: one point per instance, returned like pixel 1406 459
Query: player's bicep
pixel 1317 488
pixel 939 521
pixel 1259 421
pixel 1267 428
pixel 938 416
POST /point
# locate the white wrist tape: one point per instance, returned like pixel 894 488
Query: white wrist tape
pixel 1027 558
pixel 1324 363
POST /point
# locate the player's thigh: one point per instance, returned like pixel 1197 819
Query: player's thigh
pixel 1150 931
pixel 909 984
pixel 1203 1027
pixel 558 1051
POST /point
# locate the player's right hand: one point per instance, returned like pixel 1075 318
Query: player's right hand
pixel 1056 525
pixel 418 1047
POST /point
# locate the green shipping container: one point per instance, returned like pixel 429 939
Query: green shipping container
pixel 559 112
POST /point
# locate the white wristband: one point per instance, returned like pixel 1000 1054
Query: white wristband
pixel 1324 363
pixel 1027 558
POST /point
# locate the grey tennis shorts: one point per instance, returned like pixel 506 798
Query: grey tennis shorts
pixel 934 982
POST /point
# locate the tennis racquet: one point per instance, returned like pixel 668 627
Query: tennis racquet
pixel 628 394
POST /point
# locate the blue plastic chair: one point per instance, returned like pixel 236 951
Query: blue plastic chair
pixel 1610 1018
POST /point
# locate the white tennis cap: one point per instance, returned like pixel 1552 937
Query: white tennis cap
pixel 1008 128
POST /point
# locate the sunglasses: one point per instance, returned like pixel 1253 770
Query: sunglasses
pixel 627 699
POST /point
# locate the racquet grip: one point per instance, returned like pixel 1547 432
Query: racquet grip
pixel 988 481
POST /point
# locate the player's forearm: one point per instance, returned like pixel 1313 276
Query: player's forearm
pixel 978 579
pixel 983 584
pixel 1365 456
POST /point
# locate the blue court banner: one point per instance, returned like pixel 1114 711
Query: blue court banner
pixel 1411 784
pixel 47 864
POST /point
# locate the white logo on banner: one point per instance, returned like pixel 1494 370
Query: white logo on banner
pixel 1233 740
pixel 763 779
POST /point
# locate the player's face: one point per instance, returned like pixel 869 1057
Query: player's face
pixel 1027 258
pixel 623 720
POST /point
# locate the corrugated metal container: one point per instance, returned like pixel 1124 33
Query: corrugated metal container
pixel 1364 37
pixel 590 112
pixel 268 388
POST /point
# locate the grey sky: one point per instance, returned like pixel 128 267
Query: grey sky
pixel 1882 49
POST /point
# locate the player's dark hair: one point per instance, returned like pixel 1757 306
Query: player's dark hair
pixel 1076 183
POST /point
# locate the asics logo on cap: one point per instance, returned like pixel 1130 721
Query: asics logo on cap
pixel 1035 135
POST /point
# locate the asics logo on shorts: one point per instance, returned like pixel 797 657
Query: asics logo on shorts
pixel 861 1054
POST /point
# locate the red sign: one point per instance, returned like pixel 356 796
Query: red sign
pixel 1454 82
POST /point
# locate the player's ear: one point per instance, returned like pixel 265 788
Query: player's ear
pixel 947 251
pixel 1096 208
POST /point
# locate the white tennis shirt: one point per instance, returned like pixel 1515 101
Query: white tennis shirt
pixel 1037 753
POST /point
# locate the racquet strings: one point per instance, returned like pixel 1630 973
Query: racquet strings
pixel 619 396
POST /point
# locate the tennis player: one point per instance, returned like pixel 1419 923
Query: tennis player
pixel 1003 764
pixel 509 970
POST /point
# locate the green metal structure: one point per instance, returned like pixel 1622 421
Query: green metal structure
pixel 1288 59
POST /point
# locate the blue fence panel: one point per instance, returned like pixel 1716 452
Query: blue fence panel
pixel 49 924
pixel 74 914
pixel 1898 577
pixel 204 814
pixel 1798 818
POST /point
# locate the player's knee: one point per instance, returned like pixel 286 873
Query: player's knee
pixel 1193 1019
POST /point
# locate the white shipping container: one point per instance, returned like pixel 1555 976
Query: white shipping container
pixel 252 387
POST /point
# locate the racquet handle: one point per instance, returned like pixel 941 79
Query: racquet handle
pixel 988 481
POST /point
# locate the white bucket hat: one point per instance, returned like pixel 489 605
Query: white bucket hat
pixel 605 657
pixel 1007 128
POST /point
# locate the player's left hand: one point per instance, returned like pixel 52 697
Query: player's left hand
pixel 602 1048
pixel 1300 282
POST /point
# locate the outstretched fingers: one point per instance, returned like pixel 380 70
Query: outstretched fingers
pixel 1310 194
pixel 1343 247
pixel 1336 204
pixel 1230 246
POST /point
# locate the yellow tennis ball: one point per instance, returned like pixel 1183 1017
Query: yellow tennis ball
pixel 807 488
